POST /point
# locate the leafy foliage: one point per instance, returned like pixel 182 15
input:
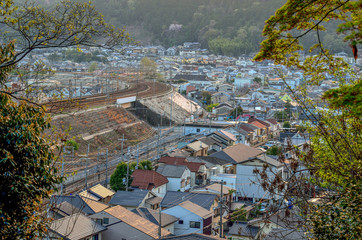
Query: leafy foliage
pixel 27 171
pixel 286 124
pixel 333 158
pixel 236 111
pixel 274 150
pixel 118 178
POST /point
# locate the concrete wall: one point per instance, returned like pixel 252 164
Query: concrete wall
pixel 186 216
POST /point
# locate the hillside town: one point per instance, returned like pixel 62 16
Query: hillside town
pixel 198 153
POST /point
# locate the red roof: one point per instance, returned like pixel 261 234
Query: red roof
pixel 261 124
pixel 147 179
pixel 190 88
pixel 193 166
pixel 273 121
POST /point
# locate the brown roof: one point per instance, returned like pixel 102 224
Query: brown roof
pixel 97 192
pixel 197 209
pixel 95 205
pixel 136 221
pixel 258 124
pixel 245 128
pixel 273 121
pixel 147 179
pixel 241 152
pixel 76 226
pixel 193 166
pixel 253 120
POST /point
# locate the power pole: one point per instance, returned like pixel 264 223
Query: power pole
pixel 137 158
pixel 159 225
pixel 122 139
pixel 128 158
pixel 106 182
pixel 171 107
pixel 221 204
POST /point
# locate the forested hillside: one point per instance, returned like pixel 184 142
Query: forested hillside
pixel 228 27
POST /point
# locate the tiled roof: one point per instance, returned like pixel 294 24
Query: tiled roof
pixel 76 226
pixel 136 221
pixel 192 236
pixel 243 229
pixel 193 166
pixel 196 209
pixel 273 121
pixel 154 216
pixel 101 191
pixel 258 124
pixel 147 179
pixel 197 145
pixel 237 153
pixel 229 135
pixel 95 205
pixel 173 198
pixel 173 171
pixel 129 199
pixel 253 120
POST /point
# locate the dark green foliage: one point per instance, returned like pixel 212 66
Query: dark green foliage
pixel 281 115
pixel 239 215
pixel 27 171
pixel 274 150
pixel 286 124
pixel 72 143
pixel 206 98
pixel 118 178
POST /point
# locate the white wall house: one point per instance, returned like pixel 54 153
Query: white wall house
pixel 178 176
pixel 192 218
pixel 247 182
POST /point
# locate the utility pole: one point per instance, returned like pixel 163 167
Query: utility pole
pixel 137 158
pixel 158 142
pixel 159 225
pixel 221 204
pixel 106 182
pixel 122 139
pixel 171 108
pixel 128 158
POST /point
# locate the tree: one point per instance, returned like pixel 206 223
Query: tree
pixel 286 124
pixel 274 150
pixel 257 80
pixel 149 68
pixel 206 97
pixel 281 115
pixel 333 156
pixel 93 66
pixel 118 178
pixel 28 170
pixel 236 112
pixel 210 107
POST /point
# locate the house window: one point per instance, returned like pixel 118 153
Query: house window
pixel 180 221
pixel 106 220
pixel 198 130
pixel 95 237
pixel 99 221
pixel 194 224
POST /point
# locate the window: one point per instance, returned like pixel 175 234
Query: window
pixel 99 221
pixel 198 130
pixel 95 237
pixel 194 224
pixel 180 221
pixel 106 220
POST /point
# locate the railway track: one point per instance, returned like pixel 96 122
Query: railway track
pixel 141 90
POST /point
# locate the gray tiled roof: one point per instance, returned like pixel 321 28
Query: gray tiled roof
pixel 76 201
pixel 129 199
pixel 173 171
pixel 153 216
pixel 243 229
pixel 173 198
pixel 192 236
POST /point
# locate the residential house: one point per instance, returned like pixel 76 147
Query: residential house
pixel 178 176
pixel 122 223
pixel 215 188
pixel 242 80
pixel 274 127
pixel 225 88
pixel 253 132
pixel 243 231
pixel 149 180
pixel 192 218
pixel 220 97
pixel 236 154
pixel 241 135
pixel 198 169
pixel 196 80
pixel 247 181
pixel 197 148
pixel 222 110
pixel 167 221
pixel 67 205
pixel 223 137
pixel 192 236
pixel 202 128
pixel 264 128
pixel 214 166
pixel 228 179
pixel 296 139
pixel 212 144
pixel 98 193
pixel 75 227
pixel 136 198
